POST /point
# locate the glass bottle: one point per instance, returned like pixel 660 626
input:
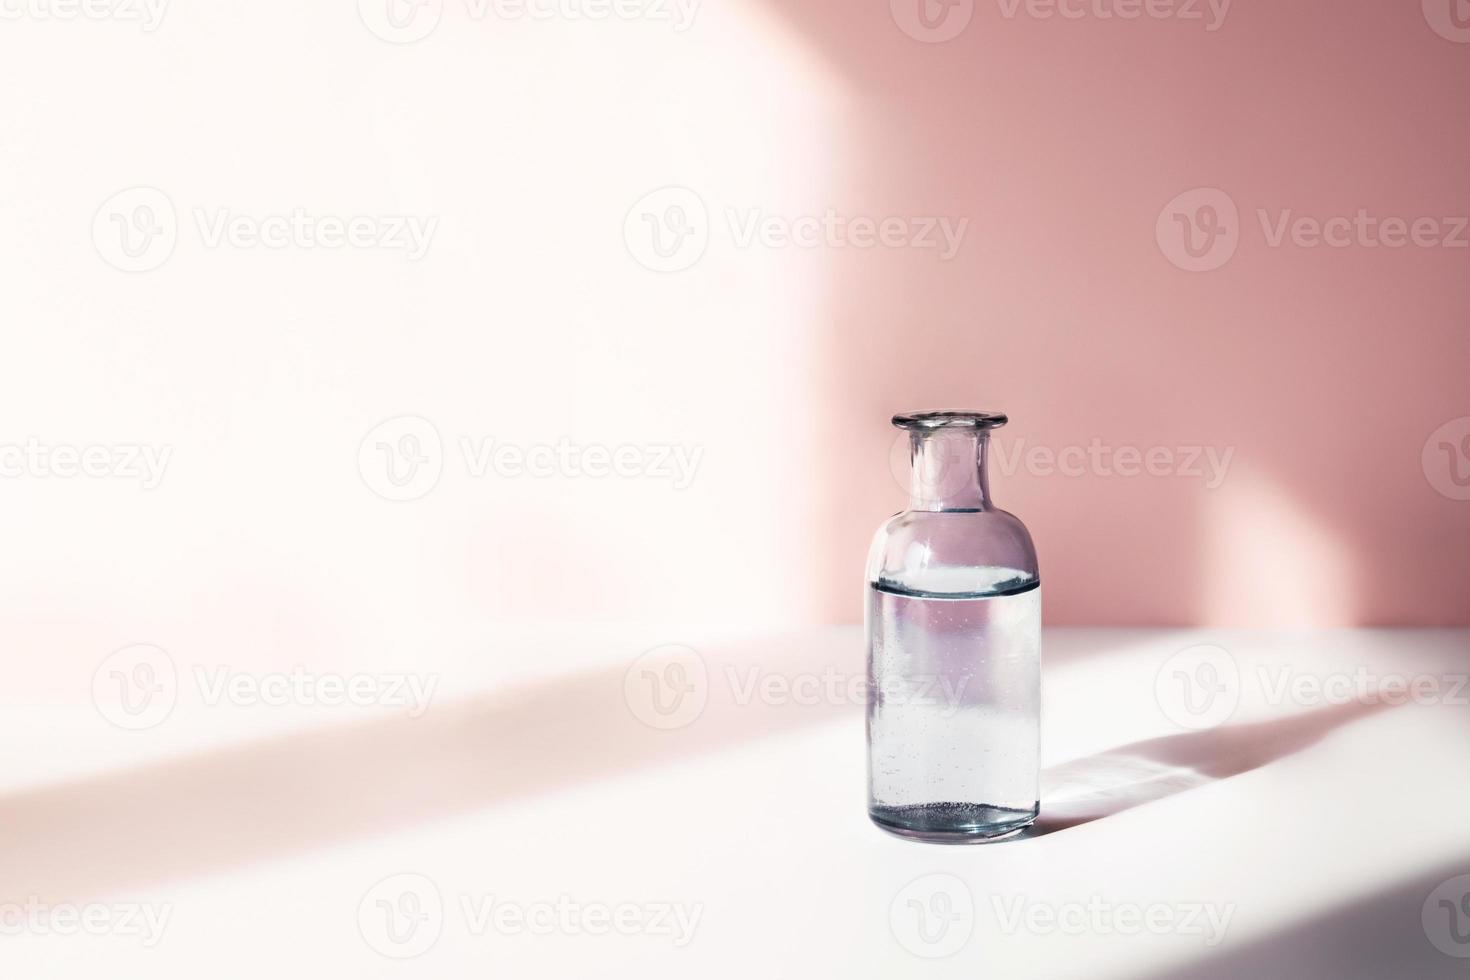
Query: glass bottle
pixel 954 647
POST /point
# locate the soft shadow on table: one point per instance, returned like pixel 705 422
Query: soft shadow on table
pixel 1372 937
pixel 257 800
pixel 1084 790
pixel 265 799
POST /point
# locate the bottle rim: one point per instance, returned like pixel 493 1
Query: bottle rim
pixel 950 419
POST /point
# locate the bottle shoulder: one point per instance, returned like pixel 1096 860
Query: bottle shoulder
pixel 953 551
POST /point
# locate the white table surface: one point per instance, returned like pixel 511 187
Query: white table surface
pixel 1317 835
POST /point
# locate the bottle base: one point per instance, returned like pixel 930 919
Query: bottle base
pixel 953 823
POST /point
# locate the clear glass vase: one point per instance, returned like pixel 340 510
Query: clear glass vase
pixel 954 648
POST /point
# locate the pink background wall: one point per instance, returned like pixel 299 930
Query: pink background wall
pixel 1325 369
pixel 535 315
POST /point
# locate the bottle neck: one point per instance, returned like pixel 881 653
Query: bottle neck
pixel 949 470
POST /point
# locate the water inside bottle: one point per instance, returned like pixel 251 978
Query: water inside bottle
pixel 954 709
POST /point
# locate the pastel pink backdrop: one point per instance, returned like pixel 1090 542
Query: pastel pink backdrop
pixel 1061 141
pixel 1326 369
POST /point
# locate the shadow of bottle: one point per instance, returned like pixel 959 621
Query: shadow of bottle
pixel 1103 785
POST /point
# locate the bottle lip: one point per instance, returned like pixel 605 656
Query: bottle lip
pixel 926 421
